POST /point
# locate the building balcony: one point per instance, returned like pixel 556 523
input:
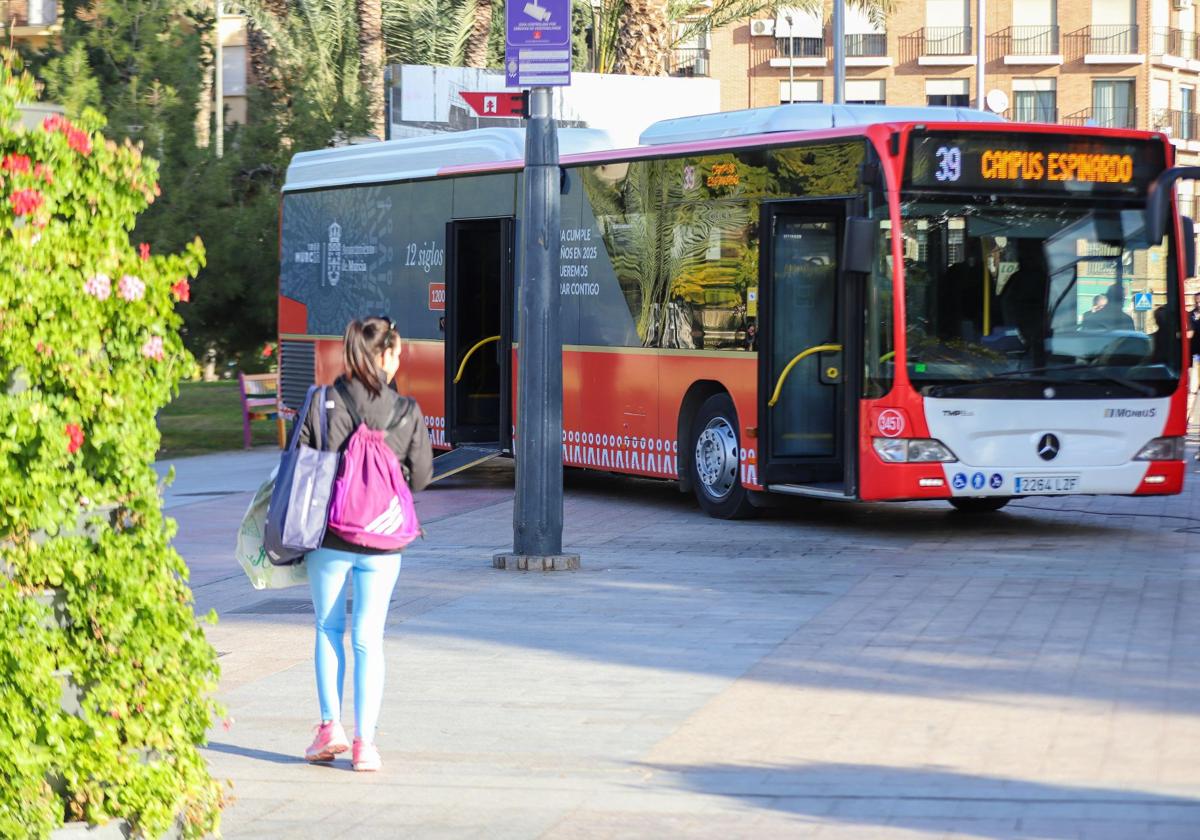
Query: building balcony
pixel 866 45
pixel 1034 114
pixel 1176 124
pixel 1104 117
pixel 1110 44
pixel 939 46
pixel 799 52
pixel 689 61
pixel 1030 45
pixel 1175 48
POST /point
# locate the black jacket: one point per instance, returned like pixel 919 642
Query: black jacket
pixel 406 435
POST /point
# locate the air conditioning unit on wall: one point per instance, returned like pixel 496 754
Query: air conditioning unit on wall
pixel 767 27
pixel 1182 4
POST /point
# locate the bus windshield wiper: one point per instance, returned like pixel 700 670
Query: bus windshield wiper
pixel 1038 374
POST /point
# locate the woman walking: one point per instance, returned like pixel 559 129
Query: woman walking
pixel 371 355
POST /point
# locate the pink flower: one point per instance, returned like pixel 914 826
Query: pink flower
pixel 79 141
pixel 98 286
pixel 144 250
pixel 55 122
pixel 153 348
pixel 182 290
pixel 74 438
pixel 25 202
pixel 42 171
pixel 130 287
pixel 15 163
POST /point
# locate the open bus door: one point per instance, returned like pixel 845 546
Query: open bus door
pixel 808 351
pixel 479 317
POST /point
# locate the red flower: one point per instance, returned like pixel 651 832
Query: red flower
pixel 55 122
pixel 25 202
pixel 182 290
pixel 144 250
pixel 268 350
pixel 42 171
pixel 16 163
pixel 74 438
pixel 79 141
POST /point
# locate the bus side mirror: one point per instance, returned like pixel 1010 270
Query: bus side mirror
pixel 858 248
pixel 1188 245
pixel 1158 200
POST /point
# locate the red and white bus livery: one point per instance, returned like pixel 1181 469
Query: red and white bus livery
pixel 833 301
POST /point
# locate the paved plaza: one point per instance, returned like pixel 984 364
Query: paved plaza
pixel 826 671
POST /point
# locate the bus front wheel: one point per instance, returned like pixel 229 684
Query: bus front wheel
pixel 715 463
pixel 982 505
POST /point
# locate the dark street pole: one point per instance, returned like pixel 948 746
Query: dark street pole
pixel 538 510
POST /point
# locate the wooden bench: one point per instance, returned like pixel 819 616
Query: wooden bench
pixel 260 401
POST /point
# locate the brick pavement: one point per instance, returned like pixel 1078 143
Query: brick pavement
pixel 826 671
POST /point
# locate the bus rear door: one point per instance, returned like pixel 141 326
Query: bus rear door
pixel 807 351
pixel 479 316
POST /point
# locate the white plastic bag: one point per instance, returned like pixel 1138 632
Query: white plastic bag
pixel 253 556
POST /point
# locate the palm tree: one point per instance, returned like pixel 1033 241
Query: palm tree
pixel 370 61
pixel 643 31
pixel 476 53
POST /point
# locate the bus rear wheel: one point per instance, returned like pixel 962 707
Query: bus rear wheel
pixel 715 464
pixel 984 505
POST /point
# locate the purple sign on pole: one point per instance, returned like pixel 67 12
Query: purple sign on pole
pixel 537 45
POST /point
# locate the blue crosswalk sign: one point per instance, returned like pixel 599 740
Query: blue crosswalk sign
pixel 1143 301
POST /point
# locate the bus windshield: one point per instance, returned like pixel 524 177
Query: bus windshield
pixel 1030 299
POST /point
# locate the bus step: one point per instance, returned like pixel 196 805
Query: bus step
pixel 462 458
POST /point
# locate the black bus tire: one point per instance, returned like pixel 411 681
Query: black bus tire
pixel 987 504
pixel 714 464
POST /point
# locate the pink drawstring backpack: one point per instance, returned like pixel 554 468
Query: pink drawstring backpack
pixel 372 505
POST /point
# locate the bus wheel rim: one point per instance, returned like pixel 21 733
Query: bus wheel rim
pixel 717 458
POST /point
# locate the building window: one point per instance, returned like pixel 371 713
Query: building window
pixel 1035 100
pixel 952 93
pixel 1187 112
pixel 1112 103
pixel 42 12
pixel 233 71
pixel 947 28
pixel 863 38
pixel 801 90
pixel 1113 30
pixel 690 55
pixel 1035 28
pixel 865 92
pixel 800 33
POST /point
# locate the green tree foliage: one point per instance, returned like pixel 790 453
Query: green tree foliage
pixel 89 351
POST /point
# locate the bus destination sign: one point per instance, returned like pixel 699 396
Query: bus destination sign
pixel 1032 163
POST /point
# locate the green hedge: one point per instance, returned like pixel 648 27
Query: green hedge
pixel 89 351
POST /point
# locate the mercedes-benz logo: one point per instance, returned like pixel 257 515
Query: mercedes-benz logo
pixel 1048 447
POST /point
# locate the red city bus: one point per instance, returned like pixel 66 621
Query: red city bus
pixel 861 303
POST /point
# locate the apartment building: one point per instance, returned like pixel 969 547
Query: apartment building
pixel 32 23
pixel 1129 63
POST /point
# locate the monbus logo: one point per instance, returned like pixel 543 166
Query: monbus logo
pixel 1130 412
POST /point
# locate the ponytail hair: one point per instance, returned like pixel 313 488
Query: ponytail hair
pixel 365 341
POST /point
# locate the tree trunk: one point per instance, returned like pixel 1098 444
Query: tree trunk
pixel 204 102
pixel 265 75
pixel 370 52
pixel 477 43
pixel 644 39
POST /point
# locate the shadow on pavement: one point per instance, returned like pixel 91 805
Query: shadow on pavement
pixel 933 799
pixel 257 755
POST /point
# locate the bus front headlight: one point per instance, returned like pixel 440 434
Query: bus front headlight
pixel 913 451
pixel 1161 449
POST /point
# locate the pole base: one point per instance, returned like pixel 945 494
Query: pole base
pixel 536 562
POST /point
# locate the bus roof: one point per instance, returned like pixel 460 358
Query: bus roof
pixel 423 157
pixel 428 156
pixel 798 117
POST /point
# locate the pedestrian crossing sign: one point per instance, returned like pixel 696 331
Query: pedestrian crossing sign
pixel 1143 301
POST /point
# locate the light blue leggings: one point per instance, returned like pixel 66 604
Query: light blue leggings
pixel 374 579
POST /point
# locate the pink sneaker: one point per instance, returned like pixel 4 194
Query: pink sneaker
pixel 366 757
pixel 330 740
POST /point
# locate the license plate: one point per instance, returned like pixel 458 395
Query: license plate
pixel 1032 484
